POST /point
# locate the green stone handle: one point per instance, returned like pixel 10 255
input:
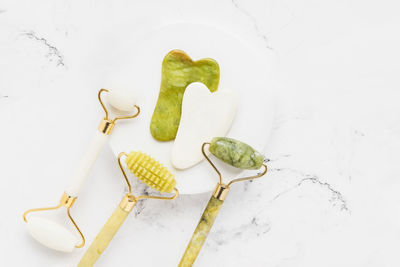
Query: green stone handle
pixel 200 234
pixel 104 237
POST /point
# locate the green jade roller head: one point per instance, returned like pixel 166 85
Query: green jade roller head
pixel 236 154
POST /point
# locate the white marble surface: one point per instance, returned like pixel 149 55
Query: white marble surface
pixel 331 196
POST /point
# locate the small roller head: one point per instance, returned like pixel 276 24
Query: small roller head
pixel 150 172
pixel 236 153
pixel 123 100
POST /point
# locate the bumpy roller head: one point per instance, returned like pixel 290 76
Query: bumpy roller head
pixel 150 172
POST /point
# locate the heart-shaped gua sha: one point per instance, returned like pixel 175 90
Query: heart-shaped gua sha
pixel 204 115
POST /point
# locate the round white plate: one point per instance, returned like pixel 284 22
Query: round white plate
pixel 244 69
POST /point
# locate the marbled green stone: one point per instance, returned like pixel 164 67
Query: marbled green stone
pixel 200 234
pixel 236 153
pixel 178 71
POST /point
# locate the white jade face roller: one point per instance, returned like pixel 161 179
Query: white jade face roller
pixel 53 234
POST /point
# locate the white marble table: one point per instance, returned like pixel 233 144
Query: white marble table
pixel 331 196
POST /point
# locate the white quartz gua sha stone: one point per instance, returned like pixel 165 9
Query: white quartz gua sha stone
pixel 204 116
pixel 53 234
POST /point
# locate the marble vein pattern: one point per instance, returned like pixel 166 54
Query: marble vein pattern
pixel 255 23
pixel 53 53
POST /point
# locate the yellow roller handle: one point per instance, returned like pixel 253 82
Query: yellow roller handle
pixel 200 234
pixel 104 237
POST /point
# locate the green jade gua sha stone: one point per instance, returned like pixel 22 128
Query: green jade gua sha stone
pixel 178 71
pixel 236 153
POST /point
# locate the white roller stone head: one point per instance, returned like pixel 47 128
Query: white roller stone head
pixel 123 100
pixel 122 95
pixel 52 234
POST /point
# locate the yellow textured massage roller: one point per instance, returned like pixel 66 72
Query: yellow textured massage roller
pixel 53 234
pixel 150 172
pixel 234 153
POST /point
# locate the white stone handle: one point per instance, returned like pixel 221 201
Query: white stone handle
pixel 86 163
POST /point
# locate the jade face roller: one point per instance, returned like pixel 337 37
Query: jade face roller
pixel 55 235
pixel 150 172
pixel 237 154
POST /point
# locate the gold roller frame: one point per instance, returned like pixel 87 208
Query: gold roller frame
pixel 113 224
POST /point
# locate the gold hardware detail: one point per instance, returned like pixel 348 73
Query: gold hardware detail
pixel 67 201
pixel 221 191
pixel 128 202
pixel 107 125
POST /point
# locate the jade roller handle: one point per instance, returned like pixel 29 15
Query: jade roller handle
pixel 106 234
pixel 100 138
pixel 203 228
pixel 86 163
pixel 236 154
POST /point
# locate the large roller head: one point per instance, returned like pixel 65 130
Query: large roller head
pixel 52 234
pixel 150 172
